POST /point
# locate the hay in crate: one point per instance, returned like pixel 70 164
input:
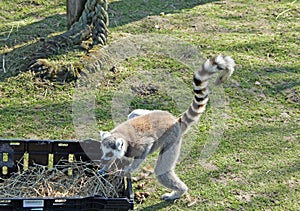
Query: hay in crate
pixel 75 179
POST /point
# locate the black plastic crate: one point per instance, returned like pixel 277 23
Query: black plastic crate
pixel 12 151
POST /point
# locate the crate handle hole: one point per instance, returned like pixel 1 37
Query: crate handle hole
pixel 70 171
pixel 50 160
pixel 60 200
pixel 14 143
pixel 25 161
pixel 71 158
pixel 5 156
pixel 63 144
pixel 4 170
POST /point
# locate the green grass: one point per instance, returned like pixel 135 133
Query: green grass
pixel 256 164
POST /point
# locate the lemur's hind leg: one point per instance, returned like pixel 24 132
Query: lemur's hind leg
pixel 164 170
pixel 171 180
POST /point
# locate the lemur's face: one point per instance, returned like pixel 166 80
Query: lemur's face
pixel 112 147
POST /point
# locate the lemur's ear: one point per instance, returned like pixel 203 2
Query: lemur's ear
pixel 104 134
pixel 120 144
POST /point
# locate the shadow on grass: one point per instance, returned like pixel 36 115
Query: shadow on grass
pixel 158 206
pixel 283 81
pixel 120 12
pixel 22 56
pixel 127 11
pixel 33 31
pixel 282 71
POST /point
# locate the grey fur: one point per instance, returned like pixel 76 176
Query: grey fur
pixel 147 131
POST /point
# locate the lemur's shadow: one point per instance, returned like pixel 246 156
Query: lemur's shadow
pixel 158 206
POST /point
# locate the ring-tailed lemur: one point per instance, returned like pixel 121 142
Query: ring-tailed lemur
pixel 144 134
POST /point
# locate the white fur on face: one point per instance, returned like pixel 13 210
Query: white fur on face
pixel 110 153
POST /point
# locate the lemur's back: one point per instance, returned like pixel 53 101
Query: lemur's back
pixel 153 124
pixel 148 132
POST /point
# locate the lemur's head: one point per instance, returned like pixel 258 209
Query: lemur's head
pixel 111 146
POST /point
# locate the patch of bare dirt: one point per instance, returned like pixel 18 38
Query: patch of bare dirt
pixel 144 90
pixel 210 166
pixel 227 177
pixel 244 196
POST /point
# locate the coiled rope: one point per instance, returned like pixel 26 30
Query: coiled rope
pixel 92 23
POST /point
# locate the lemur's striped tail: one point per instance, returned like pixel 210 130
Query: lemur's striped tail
pixel 224 65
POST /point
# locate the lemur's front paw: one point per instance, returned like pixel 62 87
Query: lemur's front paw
pixel 171 196
pixel 102 172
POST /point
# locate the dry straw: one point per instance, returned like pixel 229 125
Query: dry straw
pixel 76 179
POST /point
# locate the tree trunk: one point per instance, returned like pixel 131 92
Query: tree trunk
pixel 74 11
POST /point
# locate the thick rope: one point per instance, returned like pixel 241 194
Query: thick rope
pixel 92 23
pixel 95 16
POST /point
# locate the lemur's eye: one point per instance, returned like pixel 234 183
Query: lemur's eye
pixel 113 146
